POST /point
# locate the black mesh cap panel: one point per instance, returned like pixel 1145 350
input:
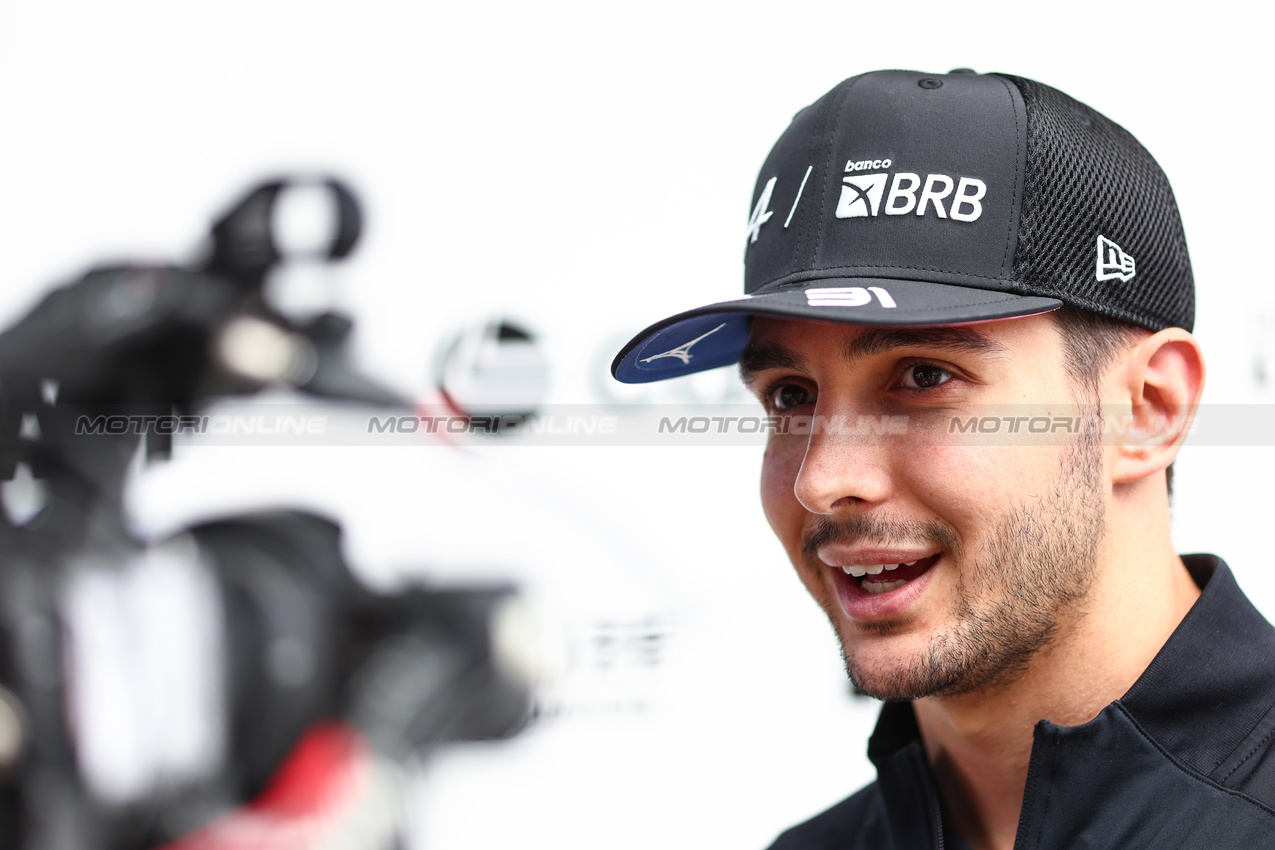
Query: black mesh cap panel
pixel 1088 177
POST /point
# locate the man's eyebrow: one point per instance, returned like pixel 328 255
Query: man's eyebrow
pixel 758 357
pixel 959 340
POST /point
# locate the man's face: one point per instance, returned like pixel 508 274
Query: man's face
pixel 945 563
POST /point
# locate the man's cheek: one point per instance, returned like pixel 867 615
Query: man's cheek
pixel 779 469
pixel 954 479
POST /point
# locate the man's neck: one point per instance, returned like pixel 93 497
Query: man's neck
pixel 979 744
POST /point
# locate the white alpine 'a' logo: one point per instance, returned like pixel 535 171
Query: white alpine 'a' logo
pixel 683 351
pixel 1113 263
pixel 761 212
pixel 861 196
pixel 847 296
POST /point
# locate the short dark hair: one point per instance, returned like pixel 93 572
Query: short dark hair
pixel 1090 343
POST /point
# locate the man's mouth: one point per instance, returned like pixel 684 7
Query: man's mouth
pixel 875 579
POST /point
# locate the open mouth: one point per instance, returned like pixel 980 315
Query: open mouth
pixel 877 579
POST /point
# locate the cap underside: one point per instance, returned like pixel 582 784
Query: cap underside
pixel 715 335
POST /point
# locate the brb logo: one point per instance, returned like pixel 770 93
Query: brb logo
pixel 862 194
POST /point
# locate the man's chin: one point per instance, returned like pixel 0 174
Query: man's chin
pixel 901 684
pixel 884 666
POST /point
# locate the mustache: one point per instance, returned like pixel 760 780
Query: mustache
pixel 858 528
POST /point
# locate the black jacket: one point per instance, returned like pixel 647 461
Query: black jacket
pixel 1185 759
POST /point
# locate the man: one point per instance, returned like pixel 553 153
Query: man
pixel 1003 270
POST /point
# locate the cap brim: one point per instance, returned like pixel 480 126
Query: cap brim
pixel 715 335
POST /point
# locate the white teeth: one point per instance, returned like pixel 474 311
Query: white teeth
pixel 883 586
pixel 862 570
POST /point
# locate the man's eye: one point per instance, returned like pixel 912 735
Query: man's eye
pixel 789 396
pixel 924 376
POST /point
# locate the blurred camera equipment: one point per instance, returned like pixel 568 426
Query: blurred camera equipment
pixel 234 684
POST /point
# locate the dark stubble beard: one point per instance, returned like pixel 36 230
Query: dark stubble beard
pixel 1037 568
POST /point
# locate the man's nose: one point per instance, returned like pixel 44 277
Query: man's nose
pixel 842 467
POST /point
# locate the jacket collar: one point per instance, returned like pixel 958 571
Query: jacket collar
pixel 1214 673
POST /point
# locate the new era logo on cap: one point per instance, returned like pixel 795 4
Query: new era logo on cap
pixel 1113 263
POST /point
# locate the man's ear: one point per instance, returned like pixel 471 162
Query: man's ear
pixel 1162 382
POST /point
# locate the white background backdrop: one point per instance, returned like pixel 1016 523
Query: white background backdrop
pixel 587 169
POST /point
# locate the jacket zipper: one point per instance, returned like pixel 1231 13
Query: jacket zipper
pixel 1029 791
pixel 938 819
pixel 932 797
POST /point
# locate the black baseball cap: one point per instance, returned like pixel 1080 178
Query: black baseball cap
pixel 905 198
